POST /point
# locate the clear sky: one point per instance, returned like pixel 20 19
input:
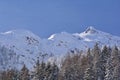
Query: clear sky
pixel 45 17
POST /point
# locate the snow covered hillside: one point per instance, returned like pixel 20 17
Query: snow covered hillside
pixel 20 47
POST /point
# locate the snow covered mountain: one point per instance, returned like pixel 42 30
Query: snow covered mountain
pixel 20 47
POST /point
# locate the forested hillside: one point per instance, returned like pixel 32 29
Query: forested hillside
pixel 94 64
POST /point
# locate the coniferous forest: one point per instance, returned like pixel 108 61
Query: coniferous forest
pixel 94 64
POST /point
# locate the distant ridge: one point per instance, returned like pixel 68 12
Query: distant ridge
pixel 26 46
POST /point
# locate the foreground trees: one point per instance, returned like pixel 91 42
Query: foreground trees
pixel 94 64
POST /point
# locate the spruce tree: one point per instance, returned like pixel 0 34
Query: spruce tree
pixel 104 55
pixel 113 65
pixel 97 64
pixel 53 75
pixel 109 70
pixel 48 70
pixel 24 73
pixel 89 73
pixel 39 73
pixel 116 63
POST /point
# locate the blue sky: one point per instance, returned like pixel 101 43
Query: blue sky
pixel 45 17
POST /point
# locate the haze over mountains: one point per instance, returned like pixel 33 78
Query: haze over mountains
pixel 18 47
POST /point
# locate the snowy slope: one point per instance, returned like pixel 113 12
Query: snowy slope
pixel 25 47
pixel 91 36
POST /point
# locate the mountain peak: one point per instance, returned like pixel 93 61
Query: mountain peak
pixel 27 46
pixel 18 32
pixel 91 30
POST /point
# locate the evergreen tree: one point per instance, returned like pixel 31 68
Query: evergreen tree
pixel 24 74
pixel 89 58
pixel 104 55
pixel 39 73
pixel 48 71
pixel 10 74
pixel 55 71
pixel 109 70
pixel 89 73
pixel 116 63
pixel 113 65
pixel 53 75
pixel 96 61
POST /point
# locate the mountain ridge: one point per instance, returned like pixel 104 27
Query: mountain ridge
pixel 27 46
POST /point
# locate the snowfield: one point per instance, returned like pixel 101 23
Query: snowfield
pixel 18 47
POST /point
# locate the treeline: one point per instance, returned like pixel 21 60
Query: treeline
pixel 94 64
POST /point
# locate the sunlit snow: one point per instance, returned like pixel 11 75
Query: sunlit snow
pixel 29 46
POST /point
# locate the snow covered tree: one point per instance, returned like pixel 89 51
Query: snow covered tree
pixel 96 61
pixel 89 73
pixel 113 65
pixel 116 63
pixel 89 57
pixel 100 60
pixel 109 70
pixel 104 55
pixel 116 73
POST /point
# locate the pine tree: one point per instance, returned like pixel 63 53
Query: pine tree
pixel 109 70
pixel 24 73
pixel 36 72
pixel 53 72
pixel 113 65
pixel 10 74
pixel 48 70
pixel 104 55
pixel 96 61
pixel 116 63
pixel 39 73
pixel 116 73
pixel 89 58
pixel 89 73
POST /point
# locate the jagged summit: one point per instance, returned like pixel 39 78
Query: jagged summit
pixel 91 30
pixel 88 31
